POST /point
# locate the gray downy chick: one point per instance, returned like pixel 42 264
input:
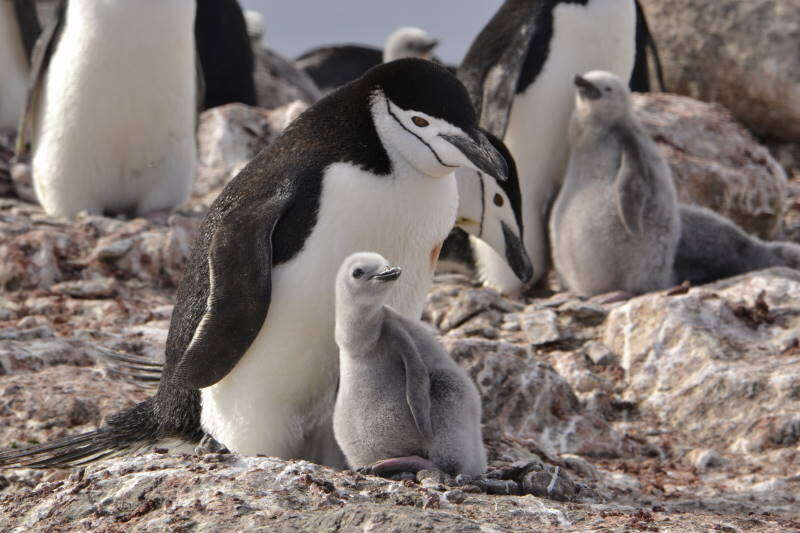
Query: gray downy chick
pixel 712 248
pixel 615 223
pixel 403 404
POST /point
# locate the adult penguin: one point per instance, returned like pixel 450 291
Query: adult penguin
pixel 519 73
pixel 19 29
pixel 251 357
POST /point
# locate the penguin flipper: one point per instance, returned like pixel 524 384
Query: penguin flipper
pixel 493 65
pixel 632 182
pixel 29 25
pixel 418 382
pixel 233 317
pixel 40 60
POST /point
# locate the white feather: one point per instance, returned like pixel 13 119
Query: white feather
pixel 115 124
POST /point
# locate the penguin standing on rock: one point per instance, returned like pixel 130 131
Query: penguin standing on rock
pixel 615 224
pixel 518 72
pixel 111 110
pixel 249 360
pixel 19 29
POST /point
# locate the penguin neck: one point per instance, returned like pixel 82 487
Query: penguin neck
pixel 358 325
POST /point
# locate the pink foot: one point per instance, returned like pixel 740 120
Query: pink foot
pixel 398 465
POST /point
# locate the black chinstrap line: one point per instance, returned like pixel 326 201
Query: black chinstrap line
pixel 389 109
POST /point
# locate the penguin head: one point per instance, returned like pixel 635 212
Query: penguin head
pixel 602 96
pixel 366 278
pixel 408 42
pixel 491 210
pixel 425 119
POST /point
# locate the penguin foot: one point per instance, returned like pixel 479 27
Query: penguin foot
pixel 612 297
pixel 398 465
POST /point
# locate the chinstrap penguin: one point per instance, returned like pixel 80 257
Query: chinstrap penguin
pixel 490 210
pixel 333 66
pixel 518 72
pixel 248 360
pixel 19 29
pixel 403 404
pixel 615 224
pixel 102 140
pixel 712 247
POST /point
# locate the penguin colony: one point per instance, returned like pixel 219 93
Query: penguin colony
pixel 532 150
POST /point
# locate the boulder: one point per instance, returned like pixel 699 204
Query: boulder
pixel 742 54
pixel 721 362
pixel 715 162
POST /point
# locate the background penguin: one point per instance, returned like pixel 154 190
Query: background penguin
pixel 225 53
pixel 489 209
pixel 712 248
pixel 333 66
pixel 111 116
pixel 403 404
pixel 19 29
pixel 278 81
pixel 519 72
pixel 368 167
pixel 615 223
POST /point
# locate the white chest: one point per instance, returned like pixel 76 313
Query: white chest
pixel 13 68
pixel 285 383
pixel 115 124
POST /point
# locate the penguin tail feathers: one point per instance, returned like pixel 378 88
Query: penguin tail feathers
pixel 124 432
pixel 135 369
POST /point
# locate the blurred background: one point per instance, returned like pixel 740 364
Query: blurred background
pixel 293 27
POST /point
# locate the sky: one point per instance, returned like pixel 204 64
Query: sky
pixel 294 26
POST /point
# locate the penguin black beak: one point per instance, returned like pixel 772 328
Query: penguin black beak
pixel 481 153
pixel 516 255
pixel 389 273
pixel 586 88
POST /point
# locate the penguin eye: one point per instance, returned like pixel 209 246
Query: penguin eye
pixel 608 89
pixel 419 121
pixel 357 273
pixel 498 200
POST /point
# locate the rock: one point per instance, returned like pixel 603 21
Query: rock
pixel 740 54
pixel 599 354
pixel 528 399
pixel 721 362
pixel 96 288
pixel 541 326
pixel 454 496
pixel 715 162
pixel 705 459
pixel 554 484
pixel 229 136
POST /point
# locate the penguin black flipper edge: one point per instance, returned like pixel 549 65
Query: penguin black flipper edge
pixel 40 60
pixel 490 87
pixel 233 317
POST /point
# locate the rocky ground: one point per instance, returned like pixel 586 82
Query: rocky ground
pixel 673 411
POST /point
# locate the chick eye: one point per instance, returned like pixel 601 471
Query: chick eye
pixel 498 200
pixel 608 89
pixel 357 273
pixel 419 121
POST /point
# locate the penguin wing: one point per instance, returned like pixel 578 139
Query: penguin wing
pixel 238 276
pixel 29 26
pixel 42 53
pixel 492 67
pixel 333 66
pixel 418 381
pixel 633 181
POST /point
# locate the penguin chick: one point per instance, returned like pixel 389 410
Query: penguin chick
pixel 403 404
pixel 615 224
pixel 712 248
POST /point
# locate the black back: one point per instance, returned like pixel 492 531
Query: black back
pixel 333 66
pixel 29 26
pixel 640 78
pixel 225 53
